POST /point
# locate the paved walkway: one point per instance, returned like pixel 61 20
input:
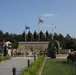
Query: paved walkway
pixel 19 62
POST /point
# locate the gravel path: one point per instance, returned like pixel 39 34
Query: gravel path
pixel 19 62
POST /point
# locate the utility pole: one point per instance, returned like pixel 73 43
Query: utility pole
pixel 25 32
pixel 52 32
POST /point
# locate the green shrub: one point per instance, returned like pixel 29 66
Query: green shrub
pixel 34 67
pixel 2 58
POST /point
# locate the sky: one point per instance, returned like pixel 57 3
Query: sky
pixel 15 14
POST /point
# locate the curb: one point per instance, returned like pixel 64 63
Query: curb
pixel 41 69
pixel 5 61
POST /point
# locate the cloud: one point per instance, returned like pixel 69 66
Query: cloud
pixel 49 15
pixel 47 25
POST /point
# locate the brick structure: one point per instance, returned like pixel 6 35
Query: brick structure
pixel 37 46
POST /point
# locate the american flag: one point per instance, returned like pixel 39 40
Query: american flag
pixel 55 27
pixel 41 21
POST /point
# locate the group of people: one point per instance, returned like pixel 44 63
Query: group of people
pixel 43 52
pixel 72 56
pixel 15 53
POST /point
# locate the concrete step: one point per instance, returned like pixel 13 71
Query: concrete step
pixel 61 56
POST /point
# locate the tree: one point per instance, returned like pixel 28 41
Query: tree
pixel 68 37
pixel 23 36
pixel 35 36
pixel 6 36
pixel 52 48
pixel 65 42
pixel 15 41
pixel 55 36
pixel 61 40
pixel 47 35
pixel 29 36
pixel 1 36
pixel 19 37
pixel 14 44
pixel 50 36
pixel 68 41
pixel 60 37
pixel 42 36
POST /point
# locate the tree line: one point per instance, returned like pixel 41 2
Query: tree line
pixel 66 42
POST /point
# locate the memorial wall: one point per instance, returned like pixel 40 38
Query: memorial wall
pixel 37 46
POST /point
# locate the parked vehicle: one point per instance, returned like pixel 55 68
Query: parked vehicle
pixel 30 54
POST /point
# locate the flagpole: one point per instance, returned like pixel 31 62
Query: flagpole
pixel 40 21
pixel 25 32
pixel 38 30
pixel 52 32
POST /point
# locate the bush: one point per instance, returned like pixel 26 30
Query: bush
pixel 72 56
pixel 2 58
pixel 52 49
pixel 34 67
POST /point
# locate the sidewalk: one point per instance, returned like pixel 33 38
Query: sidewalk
pixel 19 62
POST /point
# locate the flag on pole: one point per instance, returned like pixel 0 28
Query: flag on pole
pixel 27 27
pixel 41 21
pixel 55 27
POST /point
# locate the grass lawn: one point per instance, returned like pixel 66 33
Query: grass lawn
pixel 58 67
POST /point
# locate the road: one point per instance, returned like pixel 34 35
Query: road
pixel 19 62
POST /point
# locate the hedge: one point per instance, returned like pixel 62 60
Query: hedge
pixel 34 67
pixel 2 58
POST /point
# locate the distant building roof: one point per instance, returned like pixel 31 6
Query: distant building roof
pixel 2 43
